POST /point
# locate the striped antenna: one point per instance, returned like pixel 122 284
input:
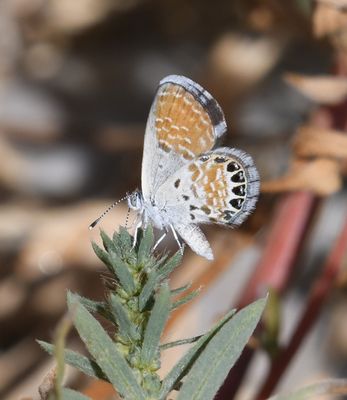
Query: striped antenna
pixel 93 224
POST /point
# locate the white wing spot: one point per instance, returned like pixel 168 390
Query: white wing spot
pixel 196 110
pixel 184 149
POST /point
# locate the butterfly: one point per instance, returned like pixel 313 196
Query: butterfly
pixel 186 181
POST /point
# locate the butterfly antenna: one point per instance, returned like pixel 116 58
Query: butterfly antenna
pixel 93 224
pixel 127 218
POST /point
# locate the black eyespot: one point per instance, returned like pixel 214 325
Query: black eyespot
pixel 239 177
pixel 239 190
pixel 233 166
pixel 219 160
pixel 185 197
pixel 192 208
pixel 236 203
pixel 204 158
pixel 192 217
pixel 177 183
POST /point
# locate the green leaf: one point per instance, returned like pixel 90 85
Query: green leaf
pixel 180 342
pixel 157 276
pixel 107 242
pixel 181 289
pixel 121 269
pixel 69 394
pixel 123 242
pixel 324 387
pixel 185 299
pixel 99 307
pixel 122 239
pixel 185 363
pixel 102 255
pixel 126 328
pixel 155 325
pixel 76 360
pixel 104 351
pixel 214 363
pixel 146 244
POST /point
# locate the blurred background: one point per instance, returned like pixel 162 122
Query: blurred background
pixel 77 79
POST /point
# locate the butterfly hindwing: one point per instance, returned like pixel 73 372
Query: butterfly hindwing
pixel 220 186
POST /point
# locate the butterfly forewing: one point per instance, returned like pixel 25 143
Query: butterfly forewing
pixel 184 122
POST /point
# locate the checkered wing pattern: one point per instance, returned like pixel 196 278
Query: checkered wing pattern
pixel 184 122
pixel 220 186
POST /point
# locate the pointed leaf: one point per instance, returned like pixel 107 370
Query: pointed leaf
pixel 102 255
pixel 214 363
pixel 183 365
pixel 155 325
pixel 122 239
pixel 121 269
pixel 69 394
pixel 126 328
pixel 146 244
pixel 165 270
pixel 169 345
pixel 123 242
pixel 107 242
pixel 181 289
pixel 92 306
pixel 82 363
pixel 156 276
pixel 185 299
pixel 104 351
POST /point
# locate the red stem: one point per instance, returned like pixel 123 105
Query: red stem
pixel 289 228
pixel 317 297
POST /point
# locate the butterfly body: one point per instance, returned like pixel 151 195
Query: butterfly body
pixel 185 180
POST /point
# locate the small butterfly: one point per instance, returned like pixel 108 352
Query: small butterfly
pixel 185 181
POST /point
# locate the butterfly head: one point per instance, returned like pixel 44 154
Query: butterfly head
pixel 135 200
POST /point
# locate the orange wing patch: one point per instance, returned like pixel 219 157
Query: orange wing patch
pixel 182 124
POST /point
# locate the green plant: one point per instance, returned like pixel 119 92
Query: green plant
pixel 137 305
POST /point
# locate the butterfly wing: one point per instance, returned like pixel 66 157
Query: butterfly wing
pixel 184 121
pixel 220 186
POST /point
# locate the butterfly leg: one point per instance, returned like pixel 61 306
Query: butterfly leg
pixel 176 238
pixel 160 239
pixel 138 226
